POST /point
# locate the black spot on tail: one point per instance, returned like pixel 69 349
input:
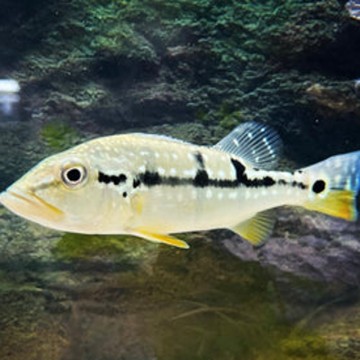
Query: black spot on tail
pixel 318 186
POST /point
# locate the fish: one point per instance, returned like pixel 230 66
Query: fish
pixel 153 186
pixel 353 8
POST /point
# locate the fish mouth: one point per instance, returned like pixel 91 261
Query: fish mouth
pixel 30 206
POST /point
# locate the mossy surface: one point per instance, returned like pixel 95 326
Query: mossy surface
pixel 200 304
pixel 74 247
pixel 59 136
pixel 112 65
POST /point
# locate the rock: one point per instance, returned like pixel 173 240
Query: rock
pixel 337 99
pixel 160 104
pixel 307 31
pixel 313 247
pixel 339 328
pixel 111 66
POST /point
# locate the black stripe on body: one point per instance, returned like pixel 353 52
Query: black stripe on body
pixel 201 179
pixel 262 182
pixel 136 183
pixel 199 159
pixel 115 179
pixel 150 178
pixel 242 178
pixel 153 178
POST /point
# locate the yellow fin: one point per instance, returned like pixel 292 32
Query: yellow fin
pixel 161 238
pixel 257 229
pixel 339 203
pixel 335 186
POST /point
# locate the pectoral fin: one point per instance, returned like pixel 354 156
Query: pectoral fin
pixel 257 229
pixel 137 204
pixel 161 238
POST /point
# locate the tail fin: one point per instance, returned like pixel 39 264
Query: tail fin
pixel 334 186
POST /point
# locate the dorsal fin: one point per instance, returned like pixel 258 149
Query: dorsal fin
pixel 258 228
pixel 256 143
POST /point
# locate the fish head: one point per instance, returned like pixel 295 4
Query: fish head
pixel 59 193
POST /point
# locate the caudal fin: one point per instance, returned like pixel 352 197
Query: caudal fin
pixel 334 186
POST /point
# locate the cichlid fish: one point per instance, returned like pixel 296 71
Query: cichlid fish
pixel 152 186
pixel 353 8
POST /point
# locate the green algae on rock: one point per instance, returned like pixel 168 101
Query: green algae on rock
pixel 59 136
pixel 158 61
pixel 124 249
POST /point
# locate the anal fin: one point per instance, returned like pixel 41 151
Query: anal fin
pixel 257 229
pixel 161 238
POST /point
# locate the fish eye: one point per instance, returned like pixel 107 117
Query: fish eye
pixel 74 175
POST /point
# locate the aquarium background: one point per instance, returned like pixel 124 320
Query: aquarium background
pixel 192 70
